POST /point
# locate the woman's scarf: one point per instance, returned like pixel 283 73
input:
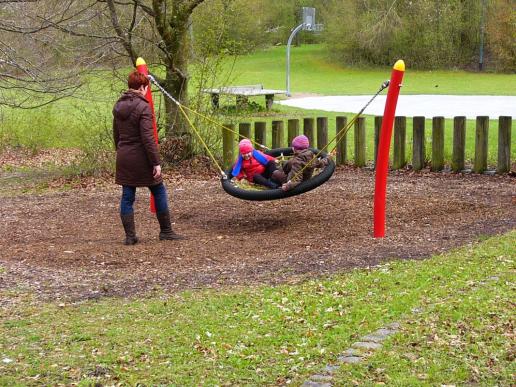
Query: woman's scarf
pixel 259 156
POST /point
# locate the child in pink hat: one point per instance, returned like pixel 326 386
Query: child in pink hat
pixel 253 165
pixel 292 174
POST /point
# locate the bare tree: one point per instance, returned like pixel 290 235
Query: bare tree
pixel 171 20
pixel 45 44
pixel 28 74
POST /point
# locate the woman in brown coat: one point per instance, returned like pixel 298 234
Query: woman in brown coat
pixel 137 157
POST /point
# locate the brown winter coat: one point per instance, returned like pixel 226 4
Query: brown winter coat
pixel 293 167
pixel 136 149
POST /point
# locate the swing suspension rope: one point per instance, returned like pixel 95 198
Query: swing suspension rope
pixel 225 127
pixel 181 108
pixel 207 118
pixel 342 132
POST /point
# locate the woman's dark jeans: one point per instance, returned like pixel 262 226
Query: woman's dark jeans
pixel 129 195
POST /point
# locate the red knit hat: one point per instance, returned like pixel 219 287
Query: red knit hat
pixel 300 142
pixel 245 146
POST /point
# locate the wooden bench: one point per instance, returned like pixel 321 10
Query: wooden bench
pixel 243 93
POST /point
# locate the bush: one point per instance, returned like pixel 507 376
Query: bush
pixel 425 33
pixel 501 36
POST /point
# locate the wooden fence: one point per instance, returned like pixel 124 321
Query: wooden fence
pixel 317 132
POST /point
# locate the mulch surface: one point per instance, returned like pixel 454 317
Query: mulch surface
pixel 67 246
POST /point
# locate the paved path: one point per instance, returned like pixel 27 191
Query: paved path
pixel 414 105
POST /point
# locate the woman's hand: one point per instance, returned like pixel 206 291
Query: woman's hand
pixel 156 171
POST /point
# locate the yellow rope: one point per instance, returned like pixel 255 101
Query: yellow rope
pixel 182 107
pixel 344 129
pixel 383 86
pixel 224 127
pixel 201 139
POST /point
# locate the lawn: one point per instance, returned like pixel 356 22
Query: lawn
pixel 85 121
pixel 283 113
pixel 313 72
pixel 455 309
pixel 455 312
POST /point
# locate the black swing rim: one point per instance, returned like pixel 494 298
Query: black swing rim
pixel 274 194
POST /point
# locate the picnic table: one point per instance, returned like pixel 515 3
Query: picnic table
pixel 243 93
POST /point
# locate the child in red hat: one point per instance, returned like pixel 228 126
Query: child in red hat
pixel 255 166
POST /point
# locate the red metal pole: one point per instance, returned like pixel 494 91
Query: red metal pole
pixel 382 159
pixel 141 67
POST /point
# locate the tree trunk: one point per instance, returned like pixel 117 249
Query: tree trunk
pixel 176 82
pixel 177 129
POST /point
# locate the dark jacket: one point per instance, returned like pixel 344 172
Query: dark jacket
pixel 298 161
pixel 136 149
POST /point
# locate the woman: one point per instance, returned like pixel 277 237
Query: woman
pixel 137 157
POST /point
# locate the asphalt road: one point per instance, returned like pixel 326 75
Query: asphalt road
pixel 414 105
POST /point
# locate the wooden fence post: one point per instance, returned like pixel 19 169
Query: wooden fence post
pixel 260 133
pixel 360 142
pixel 244 130
pixel 293 130
pixel 228 145
pixel 481 136
pixel 418 143
pixel 342 140
pixel 437 144
pixel 504 144
pixel 322 132
pixel 308 129
pixel 459 143
pixel 277 134
pixel 400 130
pixel 377 127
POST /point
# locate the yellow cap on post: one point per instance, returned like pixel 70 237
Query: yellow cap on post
pixel 399 65
pixel 140 62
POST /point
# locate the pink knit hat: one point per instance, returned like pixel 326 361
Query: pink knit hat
pixel 300 142
pixel 245 146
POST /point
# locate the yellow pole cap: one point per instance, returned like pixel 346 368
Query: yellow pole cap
pixel 399 65
pixel 140 62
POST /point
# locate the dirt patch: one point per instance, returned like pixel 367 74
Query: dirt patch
pixel 67 245
pixel 14 158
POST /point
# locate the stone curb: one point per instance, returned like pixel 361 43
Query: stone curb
pixel 358 352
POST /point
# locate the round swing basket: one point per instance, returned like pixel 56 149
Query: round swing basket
pixel 274 194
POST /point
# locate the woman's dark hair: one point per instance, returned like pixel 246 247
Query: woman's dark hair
pixel 135 80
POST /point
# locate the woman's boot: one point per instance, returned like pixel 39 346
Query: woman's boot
pixel 130 232
pixel 166 232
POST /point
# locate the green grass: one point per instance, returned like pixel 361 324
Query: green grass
pixel 465 340
pixel 284 113
pixel 270 335
pixel 312 71
pixel 80 122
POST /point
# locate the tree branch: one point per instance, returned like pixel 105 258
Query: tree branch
pixel 192 5
pixel 123 36
pixel 148 10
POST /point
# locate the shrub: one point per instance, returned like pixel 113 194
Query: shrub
pixel 425 33
pixel 501 35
